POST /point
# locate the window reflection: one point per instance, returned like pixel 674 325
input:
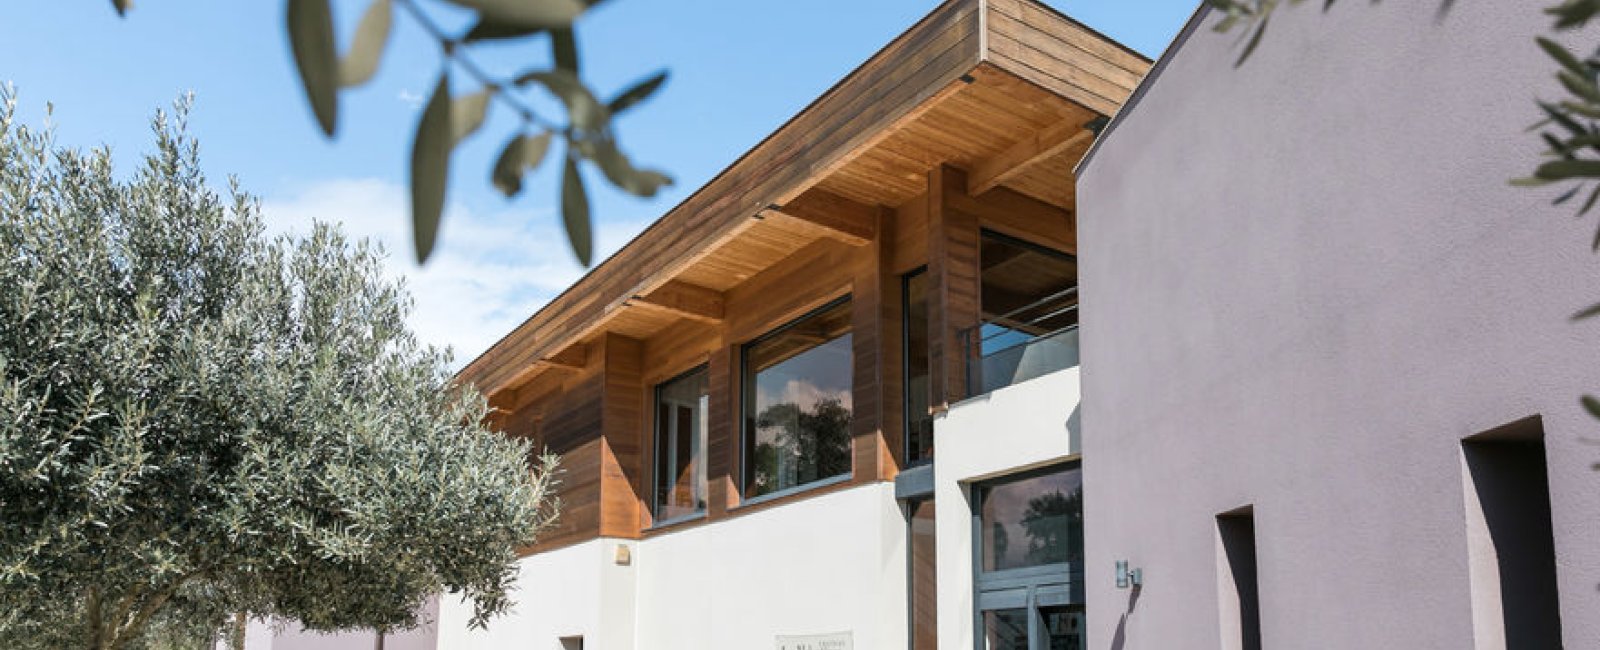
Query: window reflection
pixel 1005 629
pixel 797 402
pixel 682 405
pixel 919 422
pixel 1026 292
pixel 1033 521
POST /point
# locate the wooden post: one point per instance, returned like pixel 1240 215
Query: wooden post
pixel 621 414
pixel 952 283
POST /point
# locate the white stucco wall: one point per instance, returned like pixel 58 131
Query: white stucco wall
pixel 579 590
pixel 1016 428
pixel 834 563
pixel 828 564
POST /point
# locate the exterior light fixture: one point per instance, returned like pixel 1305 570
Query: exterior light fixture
pixel 1128 577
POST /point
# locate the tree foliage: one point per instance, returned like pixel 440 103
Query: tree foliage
pixel 449 117
pixel 199 422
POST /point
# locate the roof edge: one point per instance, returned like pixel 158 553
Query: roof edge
pixel 1150 79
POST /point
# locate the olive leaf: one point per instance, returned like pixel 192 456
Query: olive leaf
pixel 636 94
pixel 531 13
pixel 311 37
pixel 575 211
pixel 366 49
pixel 583 109
pixel 489 29
pixel 430 168
pixel 564 48
pixel 621 172
pixel 467 115
pixel 522 154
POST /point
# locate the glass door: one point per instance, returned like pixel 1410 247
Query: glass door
pixel 1043 622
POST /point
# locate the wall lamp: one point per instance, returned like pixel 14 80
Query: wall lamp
pixel 1128 577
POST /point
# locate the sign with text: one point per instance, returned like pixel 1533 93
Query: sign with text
pixel 835 641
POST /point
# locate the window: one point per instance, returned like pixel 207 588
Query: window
pixel 1028 537
pixel 1029 314
pixel 682 405
pixel 914 353
pixel 797 401
pixel 1032 521
pixel 1239 598
pixel 1510 538
pixel 924 588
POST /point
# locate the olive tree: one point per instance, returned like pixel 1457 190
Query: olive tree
pixel 199 423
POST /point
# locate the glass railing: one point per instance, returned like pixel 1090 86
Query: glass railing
pixel 1032 341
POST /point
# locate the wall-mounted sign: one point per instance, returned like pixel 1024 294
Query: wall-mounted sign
pixel 835 641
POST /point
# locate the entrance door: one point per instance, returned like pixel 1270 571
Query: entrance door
pixel 1030 619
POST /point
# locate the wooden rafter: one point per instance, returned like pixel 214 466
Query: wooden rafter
pixel 575 357
pixel 684 299
pixel 830 215
pixel 1008 164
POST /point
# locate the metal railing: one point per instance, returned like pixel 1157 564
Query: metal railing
pixel 1030 341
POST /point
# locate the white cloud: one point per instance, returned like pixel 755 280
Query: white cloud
pixel 488 272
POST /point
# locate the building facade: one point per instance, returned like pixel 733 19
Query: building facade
pixel 748 397
pixel 1331 386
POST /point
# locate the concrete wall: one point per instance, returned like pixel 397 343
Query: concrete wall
pixel 1305 280
pixel 831 564
pixel 260 635
pixel 576 591
pixel 834 563
pixel 1007 431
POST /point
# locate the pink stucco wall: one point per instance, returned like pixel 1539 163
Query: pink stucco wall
pixel 1305 280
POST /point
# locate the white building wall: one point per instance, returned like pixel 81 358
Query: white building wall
pixel 829 564
pixel 576 591
pixel 834 563
pixel 1013 429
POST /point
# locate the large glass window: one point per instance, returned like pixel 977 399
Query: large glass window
pixel 797 402
pixel 682 405
pixel 1029 541
pixel 919 422
pixel 1029 305
pixel 1032 521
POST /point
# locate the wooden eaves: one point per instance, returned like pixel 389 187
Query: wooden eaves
pixel 1006 89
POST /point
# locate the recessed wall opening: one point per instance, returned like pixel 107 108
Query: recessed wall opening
pixel 1238 591
pixel 1510 541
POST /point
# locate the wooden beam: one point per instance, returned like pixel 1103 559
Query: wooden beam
pixel 575 357
pixel 831 215
pixel 684 299
pixel 1008 164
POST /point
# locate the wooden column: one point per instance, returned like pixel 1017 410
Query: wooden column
pixel 952 283
pixel 722 435
pixel 871 366
pixel 621 424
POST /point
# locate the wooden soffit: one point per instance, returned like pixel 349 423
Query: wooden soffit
pixel 975 82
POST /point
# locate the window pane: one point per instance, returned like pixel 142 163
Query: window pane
pixel 919 422
pixel 680 446
pixel 797 403
pixel 1022 291
pixel 1063 627
pixel 924 585
pixel 1033 521
pixel 1005 629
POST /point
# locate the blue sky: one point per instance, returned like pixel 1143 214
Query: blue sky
pixel 739 70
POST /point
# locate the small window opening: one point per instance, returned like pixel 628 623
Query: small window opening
pixel 1510 540
pixel 1238 590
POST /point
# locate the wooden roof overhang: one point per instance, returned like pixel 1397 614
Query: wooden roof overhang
pixel 1004 89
